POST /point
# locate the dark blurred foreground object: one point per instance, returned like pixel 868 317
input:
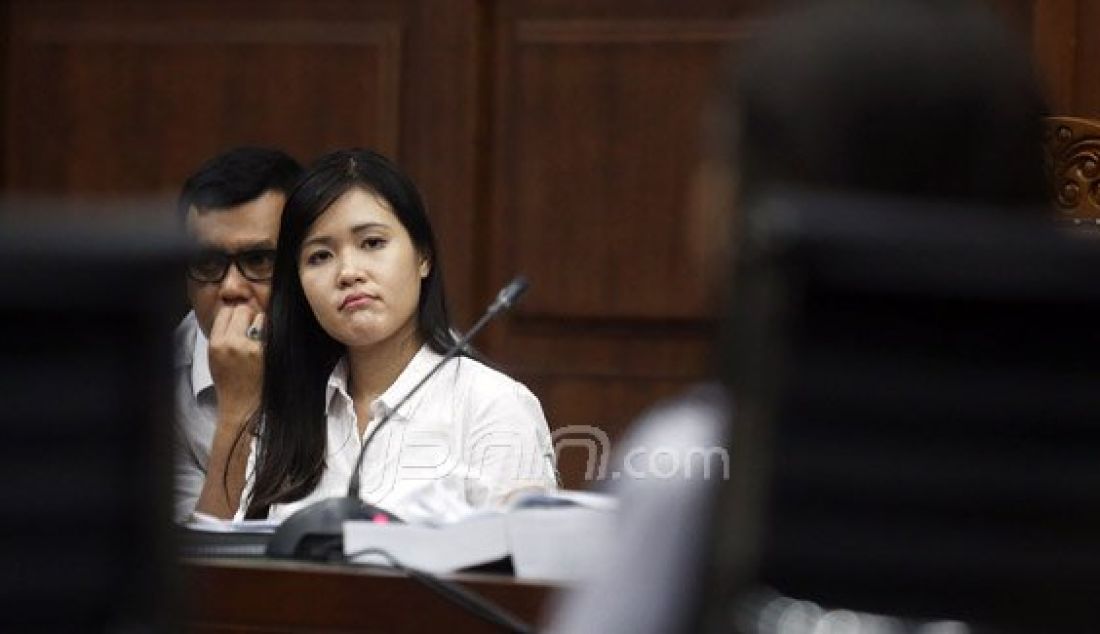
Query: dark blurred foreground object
pixel 918 418
pixel 86 315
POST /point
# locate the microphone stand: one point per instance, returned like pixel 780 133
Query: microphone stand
pixel 316 532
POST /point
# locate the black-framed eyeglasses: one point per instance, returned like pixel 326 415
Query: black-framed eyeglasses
pixel 209 266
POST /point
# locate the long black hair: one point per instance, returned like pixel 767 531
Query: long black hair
pixel 300 355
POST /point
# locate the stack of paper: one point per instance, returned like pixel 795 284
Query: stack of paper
pixel 550 537
pixel 463 544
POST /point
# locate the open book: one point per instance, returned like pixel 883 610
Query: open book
pixel 551 537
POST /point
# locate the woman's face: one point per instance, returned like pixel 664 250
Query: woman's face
pixel 360 271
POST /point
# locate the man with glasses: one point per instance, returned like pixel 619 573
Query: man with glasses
pixel 231 209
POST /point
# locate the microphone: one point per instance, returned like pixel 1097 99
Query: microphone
pixel 506 298
pixel 316 532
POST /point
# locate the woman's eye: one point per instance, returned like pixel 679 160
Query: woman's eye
pixel 318 257
pixel 374 243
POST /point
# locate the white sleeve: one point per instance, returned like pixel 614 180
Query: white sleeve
pixel 507 447
pixel 188 477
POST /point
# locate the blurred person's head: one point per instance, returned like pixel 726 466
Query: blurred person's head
pixel 231 208
pixel 920 99
pixel 357 268
pixel 905 102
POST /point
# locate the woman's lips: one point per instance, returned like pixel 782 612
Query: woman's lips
pixel 356 300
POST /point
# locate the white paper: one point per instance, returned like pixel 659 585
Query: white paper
pixel 211 524
pixel 557 544
pixel 447 548
pixel 553 537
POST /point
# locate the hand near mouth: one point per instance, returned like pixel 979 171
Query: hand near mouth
pixel 236 360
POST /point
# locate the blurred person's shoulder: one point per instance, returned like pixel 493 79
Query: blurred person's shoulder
pixel 697 417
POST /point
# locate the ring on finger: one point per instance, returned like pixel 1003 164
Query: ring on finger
pixel 254 333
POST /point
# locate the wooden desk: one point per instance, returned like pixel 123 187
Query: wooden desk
pixel 254 595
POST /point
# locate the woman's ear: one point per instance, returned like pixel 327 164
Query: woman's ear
pixel 425 266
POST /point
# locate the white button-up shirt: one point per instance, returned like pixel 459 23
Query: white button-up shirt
pixel 470 433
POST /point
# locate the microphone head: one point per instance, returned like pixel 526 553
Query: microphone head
pixel 510 294
pixel 316 532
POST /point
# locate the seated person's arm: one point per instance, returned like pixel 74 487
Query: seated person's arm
pixel 509 449
pixel 236 364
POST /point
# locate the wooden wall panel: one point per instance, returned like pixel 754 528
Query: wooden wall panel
pixel 441 128
pixel 1087 75
pixel 5 57
pixel 123 98
pixel 590 414
pixel 602 122
pixel 103 100
pixel 1054 46
pixel 596 127
pixel 1066 43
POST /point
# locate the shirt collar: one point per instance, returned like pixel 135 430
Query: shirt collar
pixel 183 340
pixel 419 366
pixel 201 379
pixel 337 384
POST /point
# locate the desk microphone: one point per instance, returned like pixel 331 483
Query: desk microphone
pixel 316 532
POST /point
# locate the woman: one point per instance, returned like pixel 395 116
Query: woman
pixel 357 319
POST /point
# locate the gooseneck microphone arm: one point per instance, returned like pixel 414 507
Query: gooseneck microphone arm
pixel 506 298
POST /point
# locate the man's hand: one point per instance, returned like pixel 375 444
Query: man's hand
pixel 236 361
